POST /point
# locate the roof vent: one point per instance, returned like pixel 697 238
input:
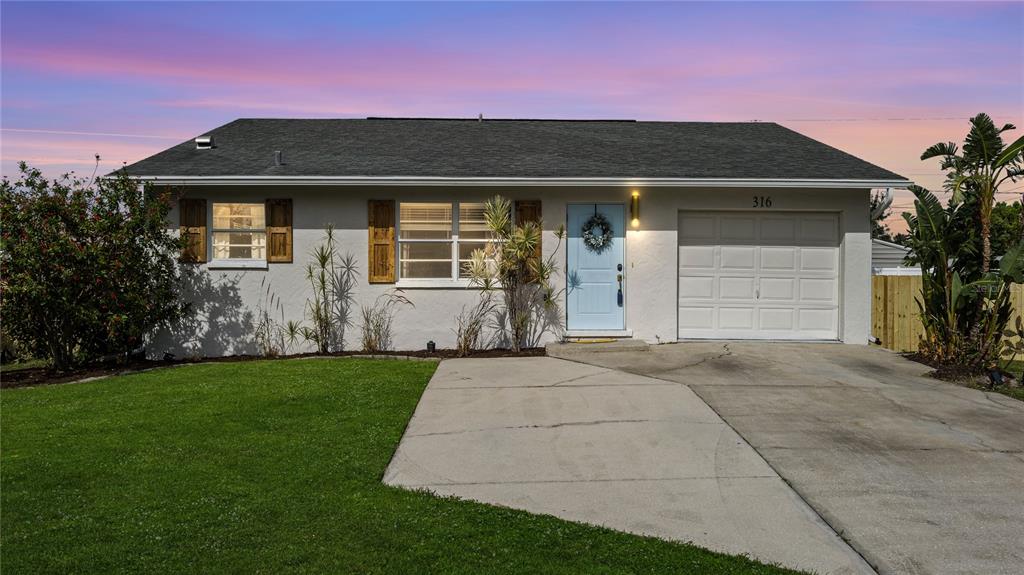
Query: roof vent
pixel 278 158
pixel 204 142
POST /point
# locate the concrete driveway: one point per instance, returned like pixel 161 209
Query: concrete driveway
pixel 918 475
pixel 605 447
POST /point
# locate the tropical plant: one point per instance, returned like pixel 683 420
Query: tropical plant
pixel 964 313
pixel 333 278
pixel 964 304
pixel 88 267
pixel 1005 231
pixel 978 169
pixel 379 318
pixel 510 264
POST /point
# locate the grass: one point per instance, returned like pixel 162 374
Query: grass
pixel 267 467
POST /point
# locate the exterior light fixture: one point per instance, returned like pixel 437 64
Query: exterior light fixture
pixel 634 209
pixel 431 346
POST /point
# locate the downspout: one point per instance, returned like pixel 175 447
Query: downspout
pixel 879 210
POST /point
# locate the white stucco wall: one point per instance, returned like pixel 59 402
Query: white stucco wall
pixel 226 300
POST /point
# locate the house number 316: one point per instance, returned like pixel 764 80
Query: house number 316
pixel 762 201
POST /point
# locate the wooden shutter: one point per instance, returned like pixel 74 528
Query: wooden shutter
pixel 382 241
pixel 529 211
pixel 279 231
pixel 192 213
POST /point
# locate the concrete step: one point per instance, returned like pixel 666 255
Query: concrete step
pixel 580 346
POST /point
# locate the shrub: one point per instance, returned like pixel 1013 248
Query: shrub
pixel 88 268
pixel 509 264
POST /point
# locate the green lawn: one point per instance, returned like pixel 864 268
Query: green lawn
pixel 267 467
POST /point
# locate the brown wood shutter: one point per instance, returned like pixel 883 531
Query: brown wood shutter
pixel 279 231
pixel 192 214
pixel 529 211
pixel 382 241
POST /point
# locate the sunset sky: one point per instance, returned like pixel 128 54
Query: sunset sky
pixel 880 80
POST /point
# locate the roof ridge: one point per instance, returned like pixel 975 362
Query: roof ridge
pixel 497 119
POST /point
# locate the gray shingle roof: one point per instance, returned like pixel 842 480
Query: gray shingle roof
pixel 510 148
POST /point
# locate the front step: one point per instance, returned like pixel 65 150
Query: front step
pixel 577 346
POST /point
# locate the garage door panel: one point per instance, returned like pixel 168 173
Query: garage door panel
pixel 778 258
pixel 738 229
pixel 697 257
pixel 697 318
pixel 697 227
pixel 818 260
pixel 736 318
pixel 778 230
pixel 697 287
pixel 778 289
pixel 731 288
pixel 777 319
pixel 754 275
pixel 735 258
pixel 817 320
pixel 819 230
pixel 818 290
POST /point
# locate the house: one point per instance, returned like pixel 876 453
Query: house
pixel 888 259
pixel 717 230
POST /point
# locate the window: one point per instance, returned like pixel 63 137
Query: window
pixel 425 240
pixel 436 240
pixel 473 234
pixel 239 232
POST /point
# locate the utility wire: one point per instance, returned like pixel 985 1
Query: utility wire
pixel 99 134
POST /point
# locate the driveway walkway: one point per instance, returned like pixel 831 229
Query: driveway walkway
pixel 605 447
pixel 920 476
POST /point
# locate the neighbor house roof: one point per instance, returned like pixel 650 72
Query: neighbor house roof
pixel 529 149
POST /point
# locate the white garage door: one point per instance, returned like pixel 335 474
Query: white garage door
pixel 756 275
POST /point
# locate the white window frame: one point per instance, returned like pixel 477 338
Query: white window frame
pixel 453 281
pixel 236 263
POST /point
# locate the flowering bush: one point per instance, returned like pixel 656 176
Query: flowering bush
pixel 87 268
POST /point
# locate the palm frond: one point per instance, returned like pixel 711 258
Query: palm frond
pixel 940 150
pixel 1011 153
pixel 983 142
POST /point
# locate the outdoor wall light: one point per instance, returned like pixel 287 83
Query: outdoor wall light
pixel 634 209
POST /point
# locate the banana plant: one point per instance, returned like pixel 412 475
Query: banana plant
pixel 979 168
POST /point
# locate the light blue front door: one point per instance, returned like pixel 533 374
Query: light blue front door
pixel 595 300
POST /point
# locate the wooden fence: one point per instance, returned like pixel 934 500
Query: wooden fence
pixel 895 319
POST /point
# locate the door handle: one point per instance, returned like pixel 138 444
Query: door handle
pixel 619 295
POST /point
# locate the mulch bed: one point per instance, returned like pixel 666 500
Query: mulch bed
pixel 46 376
pixel 956 373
